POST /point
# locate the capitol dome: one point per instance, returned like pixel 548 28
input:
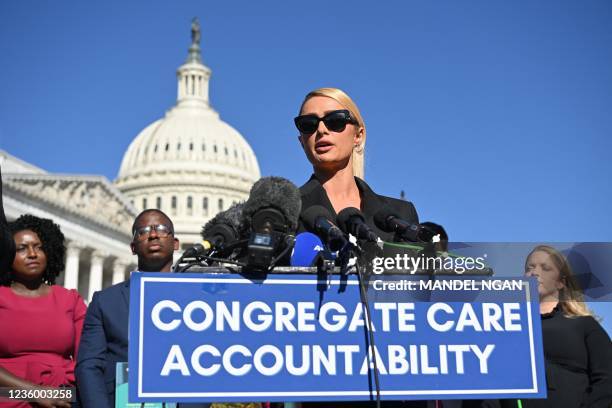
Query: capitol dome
pixel 190 164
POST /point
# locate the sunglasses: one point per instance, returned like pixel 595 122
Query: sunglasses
pixel 143 233
pixel 335 121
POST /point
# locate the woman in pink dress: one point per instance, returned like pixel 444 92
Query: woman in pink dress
pixel 40 323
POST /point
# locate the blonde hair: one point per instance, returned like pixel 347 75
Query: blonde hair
pixel 343 99
pixel 571 300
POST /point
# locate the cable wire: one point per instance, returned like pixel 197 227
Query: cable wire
pixel 364 300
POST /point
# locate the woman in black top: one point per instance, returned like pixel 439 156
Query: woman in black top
pixel 333 135
pixel 577 349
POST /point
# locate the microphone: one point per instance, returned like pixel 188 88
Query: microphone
pixel 387 220
pixel 270 217
pixel 317 219
pixel 307 249
pixel 223 229
pixel 352 221
pixel 194 252
pixel 275 201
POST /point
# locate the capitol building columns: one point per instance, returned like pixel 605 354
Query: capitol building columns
pixel 71 275
pixel 96 269
pixel 95 272
pixel 119 271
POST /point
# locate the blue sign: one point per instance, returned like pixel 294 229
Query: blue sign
pixel 214 337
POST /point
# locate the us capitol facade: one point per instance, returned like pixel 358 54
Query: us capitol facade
pixel 190 164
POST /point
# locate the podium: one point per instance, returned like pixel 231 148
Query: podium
pixel 220 334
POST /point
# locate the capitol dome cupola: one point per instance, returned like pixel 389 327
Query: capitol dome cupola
pixel 193 75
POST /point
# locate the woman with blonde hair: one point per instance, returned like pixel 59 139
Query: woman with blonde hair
pixel 577 349
pixel 333 136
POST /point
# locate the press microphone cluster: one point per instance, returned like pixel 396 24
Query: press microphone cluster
pixel 259 233
pixel 256 234
pixel 334 232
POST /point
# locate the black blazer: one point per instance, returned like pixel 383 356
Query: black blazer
pixel 578 355
pixel 313 194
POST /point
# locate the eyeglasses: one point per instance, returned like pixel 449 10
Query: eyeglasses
pixel 335 121
pixel 142 233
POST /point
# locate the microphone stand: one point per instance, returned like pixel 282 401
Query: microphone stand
pixel 368 317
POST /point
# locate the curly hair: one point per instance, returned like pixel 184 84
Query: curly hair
pixel 52 240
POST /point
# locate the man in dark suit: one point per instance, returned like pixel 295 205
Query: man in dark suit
pixel 104 341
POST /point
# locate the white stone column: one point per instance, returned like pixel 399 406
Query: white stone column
pixel 119 268
pixel 71 277
pixel 95 273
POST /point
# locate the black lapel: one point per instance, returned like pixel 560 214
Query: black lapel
pixel 313 193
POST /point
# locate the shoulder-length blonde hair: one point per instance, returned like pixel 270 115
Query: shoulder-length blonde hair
pixel 571 300
pixel 343 99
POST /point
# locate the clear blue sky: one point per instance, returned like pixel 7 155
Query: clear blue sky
pixel 494 117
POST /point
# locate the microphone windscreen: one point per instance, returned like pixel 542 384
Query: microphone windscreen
pixel 225 225
pixel 306 249
pixel 310 215
pixel 345 216
pixel 276 193
pixel 381 219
